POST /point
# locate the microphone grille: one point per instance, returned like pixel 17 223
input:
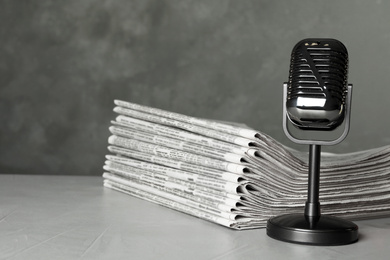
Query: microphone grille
pixel 318 75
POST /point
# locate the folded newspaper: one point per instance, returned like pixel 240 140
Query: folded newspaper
pixel 233 175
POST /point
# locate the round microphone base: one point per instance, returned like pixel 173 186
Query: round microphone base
pixel 324 231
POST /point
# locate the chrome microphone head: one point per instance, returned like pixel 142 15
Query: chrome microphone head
pixel 317 84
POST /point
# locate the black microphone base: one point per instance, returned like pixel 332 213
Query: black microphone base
pixel 323 231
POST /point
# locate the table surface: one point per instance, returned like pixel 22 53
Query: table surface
pixel 75 217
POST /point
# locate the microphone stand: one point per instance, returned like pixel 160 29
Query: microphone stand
pixel 312 206
pixel 312 228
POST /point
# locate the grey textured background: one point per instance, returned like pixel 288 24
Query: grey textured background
pixel 63 62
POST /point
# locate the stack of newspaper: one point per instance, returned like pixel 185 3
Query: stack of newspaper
pixel 233 175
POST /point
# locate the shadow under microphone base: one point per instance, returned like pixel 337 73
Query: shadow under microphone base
pixel 312 228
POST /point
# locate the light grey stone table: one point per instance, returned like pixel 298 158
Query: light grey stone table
pixel 75 217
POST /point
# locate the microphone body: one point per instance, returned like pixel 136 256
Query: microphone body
pixel 316 97
pixel 317 84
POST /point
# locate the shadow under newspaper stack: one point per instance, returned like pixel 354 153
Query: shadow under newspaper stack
pixel 233 175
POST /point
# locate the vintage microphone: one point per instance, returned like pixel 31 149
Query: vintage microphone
pixel 316 99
